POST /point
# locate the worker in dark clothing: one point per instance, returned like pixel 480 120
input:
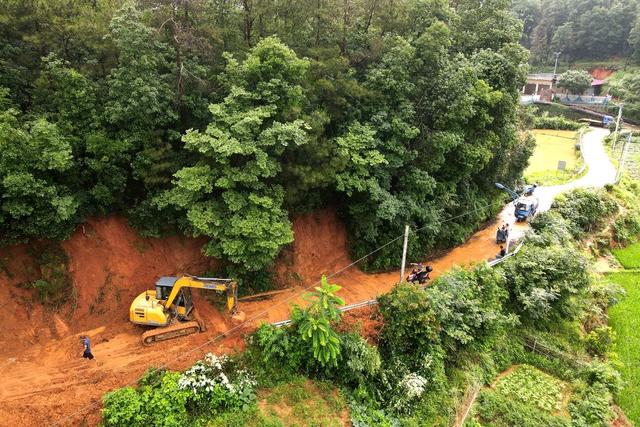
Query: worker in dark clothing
pixel 503 252
pixel 87 347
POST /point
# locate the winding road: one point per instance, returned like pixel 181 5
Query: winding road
pixel 600 171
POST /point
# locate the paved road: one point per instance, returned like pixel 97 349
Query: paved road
pixel 600 170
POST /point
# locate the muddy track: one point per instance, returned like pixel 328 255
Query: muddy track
pixel 45 380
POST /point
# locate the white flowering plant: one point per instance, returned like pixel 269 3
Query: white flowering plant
pixel 214 384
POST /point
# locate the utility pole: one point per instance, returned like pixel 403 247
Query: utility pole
pixel 555 68
pixel 404 251
pixel 615 133
pixel 623 157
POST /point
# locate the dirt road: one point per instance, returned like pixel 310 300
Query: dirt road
pixel 45 381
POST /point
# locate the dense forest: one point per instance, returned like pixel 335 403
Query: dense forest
pixel 580 29
pixel 224 118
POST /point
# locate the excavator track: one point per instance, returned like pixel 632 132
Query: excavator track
pixel 176 330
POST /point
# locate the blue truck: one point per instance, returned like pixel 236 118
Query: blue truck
pixel 526 205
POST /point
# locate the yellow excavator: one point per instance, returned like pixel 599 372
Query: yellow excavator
pixel 170 307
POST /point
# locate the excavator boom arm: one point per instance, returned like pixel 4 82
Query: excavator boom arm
pixel 227 286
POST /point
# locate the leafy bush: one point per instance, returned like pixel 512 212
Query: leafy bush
pixel 164 401
pixel 543 282
pixel 586 210
pixel 365 416
pixel 554 122
pixel 411 331
pixel 468 305
pixel 603 373
pixel 313 324
pixel 123 407
pixel 309 343
pixel 279 346
pixel 590 407
pixel 213 385
pixel 158 401
pixel 550 227
pixel 401 387
pixel 360 361
pixel 600 340
pixel 626 228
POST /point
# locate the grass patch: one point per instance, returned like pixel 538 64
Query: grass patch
pixel 551 147
pixel 299 402
pixel 629 257
pixel 625 320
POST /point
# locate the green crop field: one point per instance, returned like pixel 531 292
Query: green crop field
pixel 625 320
pixel 629 257
pixel 523 396
pixel 551 147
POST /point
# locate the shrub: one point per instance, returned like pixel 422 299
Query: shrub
pixel 586 209
pixel 123 407
pixel 626 228
pixel 213 385
pixel 551 228
pixel 605 374
pixel 411 329
pixel 600 340
pixel 313 324
pixel 365 416
pixel 468 305
pixel 165 402
pixel 310 343
pixel 554 122
pixel 543 282
pixel 158 401
pixel 279 346
pixel 590 407
pixel 360 361
pixel 401 386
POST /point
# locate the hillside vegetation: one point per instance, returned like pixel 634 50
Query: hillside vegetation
pixel 435 343
pixel 579 29
pixel 222 119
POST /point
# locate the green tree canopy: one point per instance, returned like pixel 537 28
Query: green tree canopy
pixel 575 81
pixel 231 193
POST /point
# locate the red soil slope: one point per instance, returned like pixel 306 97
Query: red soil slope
pixel 44 378
pixel 601 73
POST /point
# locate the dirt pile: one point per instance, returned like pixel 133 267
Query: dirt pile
pixel 366 321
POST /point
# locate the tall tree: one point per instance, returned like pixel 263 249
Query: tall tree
pixel 231 193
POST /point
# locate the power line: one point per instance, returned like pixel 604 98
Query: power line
pixel 264 312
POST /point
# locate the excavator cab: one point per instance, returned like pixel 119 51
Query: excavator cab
pixel 183 302
pixel 169 307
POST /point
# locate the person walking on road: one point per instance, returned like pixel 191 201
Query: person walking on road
pixel 87 347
